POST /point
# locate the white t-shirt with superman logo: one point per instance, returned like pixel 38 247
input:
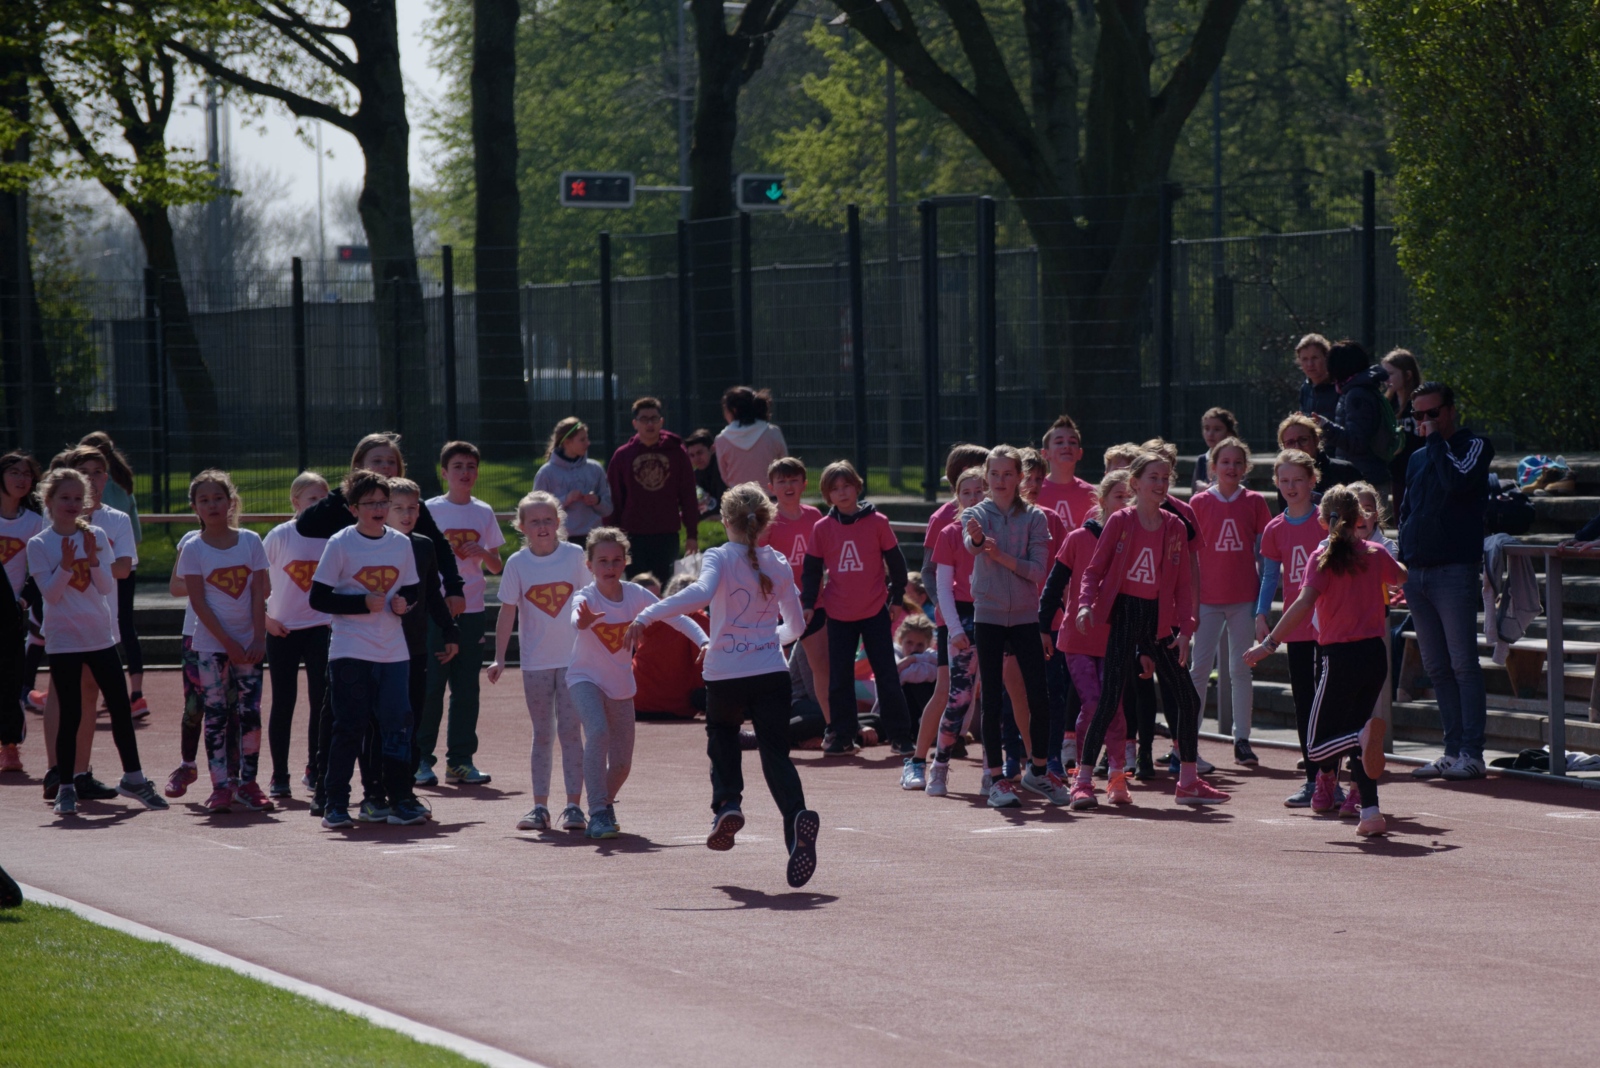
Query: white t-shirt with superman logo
pixel 226 574
pixel 294 558
pixel 14 536
pixel 356 564
pixel 464 524
pixel 542 587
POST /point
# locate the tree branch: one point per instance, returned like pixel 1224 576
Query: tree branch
pixel 300 105
pixel 1189 79
pixel 306 37
pixel 61 108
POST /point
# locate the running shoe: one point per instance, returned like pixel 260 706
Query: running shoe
pixel 1117 792
pixel 1243 754
pixel 1324 797
pixel 902 749
pixel 1435 768
pixel 1201 764
pixel 1069 751
pixel 602 824
pixel 465 775
pixel 92 789
pixel 537 819
pixel 1144 766
pixel 141 707
pixel 408 813
pixel 1102 767
pixel 748 740
pixel 373 812
pixel 1130 755
pixel 1003 795
pixel 914 774
pixel 1083 796
pixel 36 700
pixel 1372 826
pixel 1199 792
pixel 1350 807
pixel 938 784
pixel 726 824
pixel 66 801
pixel 318 805
pixel 1466 767
pixel 178 782
pixel 307 778
pixel 336 818
pixel 835 745
pixel 1049 786
pixel 221 800
pixel 279 787
pixel 572 819
pixel 1301 798
pixel 143 792
pixel 52 781
pixel 10 757
pixel 250 796
pixel 425 775
pixel 803 853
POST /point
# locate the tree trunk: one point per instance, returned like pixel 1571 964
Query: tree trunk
pixel 17 293
pixel 504 412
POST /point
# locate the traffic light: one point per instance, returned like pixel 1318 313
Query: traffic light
pixel 354 254
pixel 596 189
pixel 761 192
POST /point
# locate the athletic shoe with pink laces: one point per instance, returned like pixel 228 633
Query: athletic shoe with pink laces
pixel 1083 796
pixel 10 758
pixel 1003 795
pixel 1350 809
pixel 1117 791
pixel 221 800
pixel 140 708
pixel 178 782
pixel 1324 796
pixel 1373 826
pixel 1199 792
pixel 250 796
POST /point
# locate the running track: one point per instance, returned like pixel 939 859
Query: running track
pixel 935 932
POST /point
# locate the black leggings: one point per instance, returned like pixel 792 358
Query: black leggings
pixel 1133 633
pixel 764 699
pixel 284 657
pixel 1303 685
pixel 130 636
pixel 1022 641
pixel 66 672
pixel 12 663
pixel 873 633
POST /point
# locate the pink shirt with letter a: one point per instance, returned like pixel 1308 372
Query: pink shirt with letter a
pixel 1227 543
pixel 1352 606
pixel 1071 502
pixel 1293 546
pixel 792 537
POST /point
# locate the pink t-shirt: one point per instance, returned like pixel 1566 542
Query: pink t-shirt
pixel 1076 552
pixel 1142 559
pixel 942 517
pixel 852 556
pixel 1071 502
pixel 792 537
pixel 949 551
pixel 1293 545
pixel 1227 542
pixel 1352 606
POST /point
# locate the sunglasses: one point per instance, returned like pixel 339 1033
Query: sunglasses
pixel 1429 413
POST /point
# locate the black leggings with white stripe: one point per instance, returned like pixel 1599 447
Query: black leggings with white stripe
pixel 1350 676
pixel 1133 632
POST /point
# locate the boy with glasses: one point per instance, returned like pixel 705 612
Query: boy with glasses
pixel 652 493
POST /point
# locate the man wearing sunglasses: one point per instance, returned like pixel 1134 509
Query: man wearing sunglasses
pixel 1441 544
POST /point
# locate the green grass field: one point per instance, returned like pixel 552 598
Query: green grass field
pixel 75 993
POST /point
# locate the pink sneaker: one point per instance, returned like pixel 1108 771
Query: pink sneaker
pixel 1351 808
pixel 178 782
pixel 250 796
pixel 1373 827
pixel 1117 791
pixel 1083 796
pixel 36 700
pixel 1199 792
pixel 1324 798
pixel 221 800
pixel 10 758
pixel 141 708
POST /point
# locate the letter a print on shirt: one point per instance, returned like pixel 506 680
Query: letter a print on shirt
pixel 850 558
pixel 1144 567
pixel 1297 565
pixel 1228 540
pixel 797 553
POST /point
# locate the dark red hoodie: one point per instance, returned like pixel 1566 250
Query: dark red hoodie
pixel 652 487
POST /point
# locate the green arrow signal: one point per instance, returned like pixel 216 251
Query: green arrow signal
pixel 775 192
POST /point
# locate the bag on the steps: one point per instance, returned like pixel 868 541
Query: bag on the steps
pixel 1509 511
pixel 1527 760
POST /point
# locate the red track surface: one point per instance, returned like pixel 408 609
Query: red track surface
pixel 935 932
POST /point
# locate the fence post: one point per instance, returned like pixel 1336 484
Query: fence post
pixel 607 390
pixel 988 341
pixel 930 348
pixel 858 336
pixel 447 264
pixel 747 329
pixel 1164 309
pixel 152 341
pixel 399 360
pixel 1369 262
pixel 298 315
pixel 685 325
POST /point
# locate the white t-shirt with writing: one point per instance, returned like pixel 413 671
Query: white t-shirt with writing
pixel 226 575
pixel 355 563
pixel 463 524
pixel 541 587
pixel 292 558
pixel 14 536
pixel 80 622
pixel 599 654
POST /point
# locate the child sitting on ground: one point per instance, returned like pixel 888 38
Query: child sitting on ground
pixel 666 666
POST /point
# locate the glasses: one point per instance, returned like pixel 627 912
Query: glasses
pixel 647 420
pixel 377 506
pixel 1429 413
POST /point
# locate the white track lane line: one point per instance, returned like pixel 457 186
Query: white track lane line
pixel 432 1036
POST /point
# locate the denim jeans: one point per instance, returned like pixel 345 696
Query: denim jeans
pixel 1444 602
pixel 363 691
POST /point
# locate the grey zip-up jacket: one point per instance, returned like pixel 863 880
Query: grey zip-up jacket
pixel 999 595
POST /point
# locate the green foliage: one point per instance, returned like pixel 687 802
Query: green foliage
pixel 1498 147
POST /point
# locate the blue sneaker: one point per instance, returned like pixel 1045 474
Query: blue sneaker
pixel 425 776
pixel 465 775
pixel 408 813
pixel 372 812
pixel 336 817
pixel 602 824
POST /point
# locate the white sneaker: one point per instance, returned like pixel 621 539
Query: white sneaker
pixel 985 782
pixel 1048 786
pixel 938 779
pixel 1466 767
pixel 1003 795
pixel 1435 768
pixel 1130 755
pixel 914 775
pixel 1069 750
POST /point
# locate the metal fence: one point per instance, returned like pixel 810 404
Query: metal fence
pixel 885 336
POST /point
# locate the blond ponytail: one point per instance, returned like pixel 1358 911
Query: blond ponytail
pixel 747 511
pixel 1341 510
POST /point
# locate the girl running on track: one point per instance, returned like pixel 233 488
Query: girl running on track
pixel 19 522
pixel 952 566
pixel 1010 541
pixel 70 560
pixel 1345 587
pixel 755 611
pixel 1086 652
pixel 578 483
pixel 538 581
pixel 790 534
pixel 1231 519
pixel 601 673
pixel 1287 547
pixel 1140 582
pixel 296 633
pixel 225 573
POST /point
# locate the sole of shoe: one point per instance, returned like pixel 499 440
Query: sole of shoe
pixel 1374 832
pixel 1372 759
pixel 610 832
pixel 1296 802
pixel 530 825
pixel 723 831
pixel 402 821
pixel 373 817
pixel 1084 804
pixel 1200 801
pixel 132 796
pixel 1012 801
pixel 337 825
pixel 803 857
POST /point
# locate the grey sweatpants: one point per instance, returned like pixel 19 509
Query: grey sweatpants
pixel 607 742
pixel 554 716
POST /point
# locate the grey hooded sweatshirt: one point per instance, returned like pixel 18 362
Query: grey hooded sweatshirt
pixel 999 595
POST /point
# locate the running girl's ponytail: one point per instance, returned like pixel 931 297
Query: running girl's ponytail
pixel 1341 511
pixel 746 509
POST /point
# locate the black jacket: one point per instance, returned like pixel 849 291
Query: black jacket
pixel 414 623
pixel 1320 400
pixel 332 514
pixel 1362 424
pixel 1447 490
